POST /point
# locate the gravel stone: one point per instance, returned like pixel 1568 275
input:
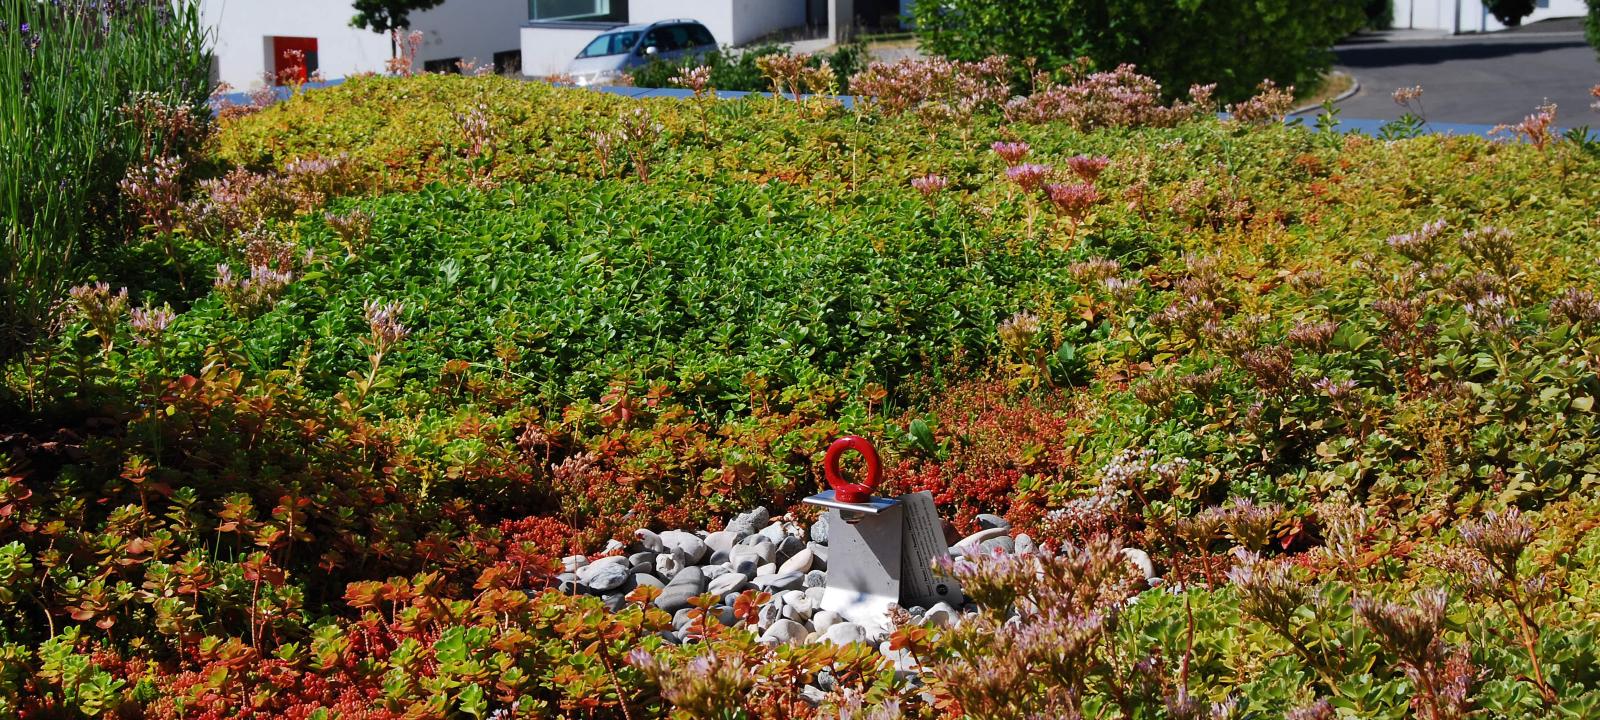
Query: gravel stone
pixel 845 633
pixel 816 578
pixel 727 583
pixel 1004 544
pixel 800 563
pixel 747 524
pixel 1141 560
pixel 669 564
pixel 648 579
pixel 785 632
pixel 649 540
pixel 690 544
pixel 762 553
pixel 790 546
pixel 820 552
pixel 688 583
pixel 819 530
pixel 773 532
pixel 721 541
pixel 940 615
pixel 780 582
pixel 973 542
pixel 769 613
pixel 608 574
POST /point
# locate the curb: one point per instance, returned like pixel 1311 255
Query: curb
pixel 1355 87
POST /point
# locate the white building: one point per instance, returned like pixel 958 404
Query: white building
pixel 251 37
pixel 1463 16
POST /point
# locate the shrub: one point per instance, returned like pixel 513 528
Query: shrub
pixel 1234 44
pixel 1511 12
pixel 88 90
pixel 737 70
pixel 1591 24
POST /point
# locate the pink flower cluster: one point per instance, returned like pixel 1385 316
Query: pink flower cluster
pixel 1028 176
pixel 1011 152
pixel 1116 98
pixel 155 192
pixel 384 321
pixel 947 87
pixel 150 323
pixel 102 308
pixel 1073 199
pixel 929 185
pixel 252 294
pixel 1088 167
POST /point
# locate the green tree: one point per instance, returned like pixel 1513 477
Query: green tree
pixel 381 16
pixel 1592 25
pixel 1233 43
pixel 1510 12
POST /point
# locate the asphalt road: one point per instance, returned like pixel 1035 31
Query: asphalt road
pixel 1483 79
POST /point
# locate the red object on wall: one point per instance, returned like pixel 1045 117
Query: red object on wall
pixel 844 490
pixel 286 67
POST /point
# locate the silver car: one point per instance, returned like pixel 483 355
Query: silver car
pixel 605 59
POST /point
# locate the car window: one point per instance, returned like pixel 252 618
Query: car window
pixel 610 44
pixel 699 35
pixel 679 37
pixel 667 39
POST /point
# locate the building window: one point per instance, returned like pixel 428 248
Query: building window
pixel 447 66
pixel 508 62
pixel 294 59
pixel 568 9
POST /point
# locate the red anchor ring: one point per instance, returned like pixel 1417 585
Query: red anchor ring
pixel 846 491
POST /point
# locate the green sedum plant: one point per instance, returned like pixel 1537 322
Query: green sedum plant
pixel 420 354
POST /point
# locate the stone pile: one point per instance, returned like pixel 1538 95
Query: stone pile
pixel 756 551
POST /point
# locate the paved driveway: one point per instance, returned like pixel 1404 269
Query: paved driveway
pixel 1484 79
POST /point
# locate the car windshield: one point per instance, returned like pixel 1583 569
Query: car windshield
pixel 610 44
